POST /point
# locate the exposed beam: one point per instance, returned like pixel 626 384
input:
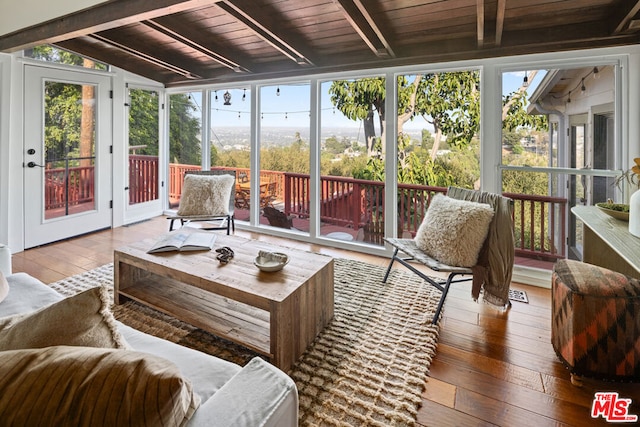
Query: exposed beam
pixel 480 22
pixel 145 57
pixel 261 30
pixel 363 23
pixel 111 14
pixel 502 4
pixel 622 17
pixel 220 59
pixel 104 53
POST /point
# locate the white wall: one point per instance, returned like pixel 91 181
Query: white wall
pixel 25 13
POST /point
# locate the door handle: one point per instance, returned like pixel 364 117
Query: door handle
pixel 33 165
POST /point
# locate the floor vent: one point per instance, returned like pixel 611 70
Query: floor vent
pixel 519 296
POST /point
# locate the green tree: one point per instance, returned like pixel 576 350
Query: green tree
pixel 449 102
pixel 514 110
pixel 143 121
pixel 184 131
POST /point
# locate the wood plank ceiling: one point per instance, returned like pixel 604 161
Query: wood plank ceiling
pixel 188 42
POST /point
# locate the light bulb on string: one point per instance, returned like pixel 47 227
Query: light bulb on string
pixel 596 73
pixel 525 81
pixel 278 91
pixel 583 88
pixel 286 116
pixel 244 95
pixel 569 98
pixel 216 98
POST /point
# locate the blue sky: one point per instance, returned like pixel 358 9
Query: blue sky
pixel 288 105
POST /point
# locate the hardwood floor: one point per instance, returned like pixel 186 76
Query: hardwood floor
pixel 491 367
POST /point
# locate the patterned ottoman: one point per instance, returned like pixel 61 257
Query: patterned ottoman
pixel 595 328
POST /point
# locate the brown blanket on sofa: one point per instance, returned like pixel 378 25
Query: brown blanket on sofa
pixel 495 261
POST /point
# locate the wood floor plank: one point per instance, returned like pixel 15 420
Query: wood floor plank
pixel 433 414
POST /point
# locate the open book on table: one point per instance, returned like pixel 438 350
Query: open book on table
pixel 182 241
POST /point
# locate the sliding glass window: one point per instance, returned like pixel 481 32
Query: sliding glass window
pixel 185 136
pixel 230 140
pixel 438 122
pixel 283 185
pixel 558 151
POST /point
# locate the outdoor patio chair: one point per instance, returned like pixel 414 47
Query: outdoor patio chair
pixel 208 199
pixel 494 265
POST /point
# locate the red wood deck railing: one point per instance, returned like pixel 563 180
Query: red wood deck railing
pixel 539 221
pixel 143 178
pixel 68 187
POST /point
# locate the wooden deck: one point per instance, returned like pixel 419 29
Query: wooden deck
pixel 491 367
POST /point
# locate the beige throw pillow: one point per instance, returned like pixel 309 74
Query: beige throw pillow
pixel 4 287
pixel 453 231
pixel 81 320
pixel 205 195
pixel 92 387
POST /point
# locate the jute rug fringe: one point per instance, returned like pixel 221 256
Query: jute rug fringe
pixel 367 368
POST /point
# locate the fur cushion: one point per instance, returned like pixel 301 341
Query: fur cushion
pixel 81 320
pixel 206 195
pixel 86 386
pixel 4 287
pixel 453 230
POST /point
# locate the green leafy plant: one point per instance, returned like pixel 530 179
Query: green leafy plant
pixel 632 176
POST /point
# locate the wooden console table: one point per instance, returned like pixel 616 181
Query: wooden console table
pixel 607 241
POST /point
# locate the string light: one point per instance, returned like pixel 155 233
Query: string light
pixel 278 91
pixel 581 85
pixel 525 81
pixel 244 94
pixel 216 96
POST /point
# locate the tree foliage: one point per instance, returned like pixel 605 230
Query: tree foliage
pixel 184 131
pixel 449 102
pixel 143 121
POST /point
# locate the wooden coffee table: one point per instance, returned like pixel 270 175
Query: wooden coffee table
pixel 276 314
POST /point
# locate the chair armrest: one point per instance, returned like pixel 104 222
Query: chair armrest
pixel 259 395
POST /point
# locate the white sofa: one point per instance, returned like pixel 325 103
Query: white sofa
pixel 257 394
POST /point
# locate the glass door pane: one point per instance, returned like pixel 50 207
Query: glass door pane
pixel 143 146
pixel 69 143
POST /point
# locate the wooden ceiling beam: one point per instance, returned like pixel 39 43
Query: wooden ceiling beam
pixel 238 10
pixel 502 4
pixel 220 59
pixel 623 18
pixel 103 53
pixel 146 57
pixel 102 17
pixel 363 23
pixel 480 22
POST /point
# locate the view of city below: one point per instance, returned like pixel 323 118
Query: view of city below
pixel 230 138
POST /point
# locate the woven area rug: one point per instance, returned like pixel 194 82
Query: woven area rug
pixel 368 367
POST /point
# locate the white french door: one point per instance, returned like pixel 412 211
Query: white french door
pixel 67 160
